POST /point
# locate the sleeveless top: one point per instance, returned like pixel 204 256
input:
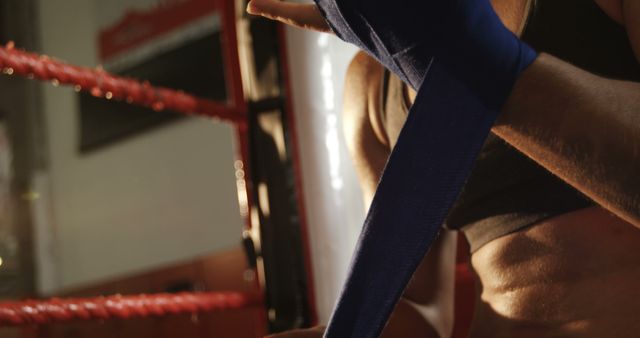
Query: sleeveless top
pixel 506 190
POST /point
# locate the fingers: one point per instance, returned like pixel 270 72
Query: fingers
pixel 305 16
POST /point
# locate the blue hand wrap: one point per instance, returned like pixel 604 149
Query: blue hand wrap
pixel 464 63
pixel 465 36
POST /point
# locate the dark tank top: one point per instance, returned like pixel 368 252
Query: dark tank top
pixel 506 190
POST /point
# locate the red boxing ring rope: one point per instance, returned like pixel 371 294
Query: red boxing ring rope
pixel 121 307
pixel 103 84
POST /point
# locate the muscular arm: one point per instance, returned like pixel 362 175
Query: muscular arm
pixel 581 127
pixel 426 309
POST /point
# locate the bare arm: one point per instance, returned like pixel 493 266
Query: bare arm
pixel 581 127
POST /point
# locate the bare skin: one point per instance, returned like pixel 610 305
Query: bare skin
pixel 574 275
pixel 589 170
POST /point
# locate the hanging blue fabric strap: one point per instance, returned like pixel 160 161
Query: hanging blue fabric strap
pixel 463 62
pixel 425 173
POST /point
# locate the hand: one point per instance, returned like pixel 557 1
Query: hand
pixel 315 332
pixel 305 16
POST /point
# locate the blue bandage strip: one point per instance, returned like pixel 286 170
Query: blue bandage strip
pixel 463 63
pixel 426 170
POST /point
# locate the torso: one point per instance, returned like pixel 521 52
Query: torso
pixel 573 275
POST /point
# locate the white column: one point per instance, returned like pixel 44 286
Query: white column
pixel 333 198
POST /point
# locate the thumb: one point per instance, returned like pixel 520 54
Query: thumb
pixel 305 16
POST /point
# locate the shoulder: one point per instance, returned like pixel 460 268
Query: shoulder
pixel 362 96
pixel 361 121
pixel 362 75
pixel 363 62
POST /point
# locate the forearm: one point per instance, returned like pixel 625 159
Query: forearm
pixel 583 128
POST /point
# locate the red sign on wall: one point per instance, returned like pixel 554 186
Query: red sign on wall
pixel 140 27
